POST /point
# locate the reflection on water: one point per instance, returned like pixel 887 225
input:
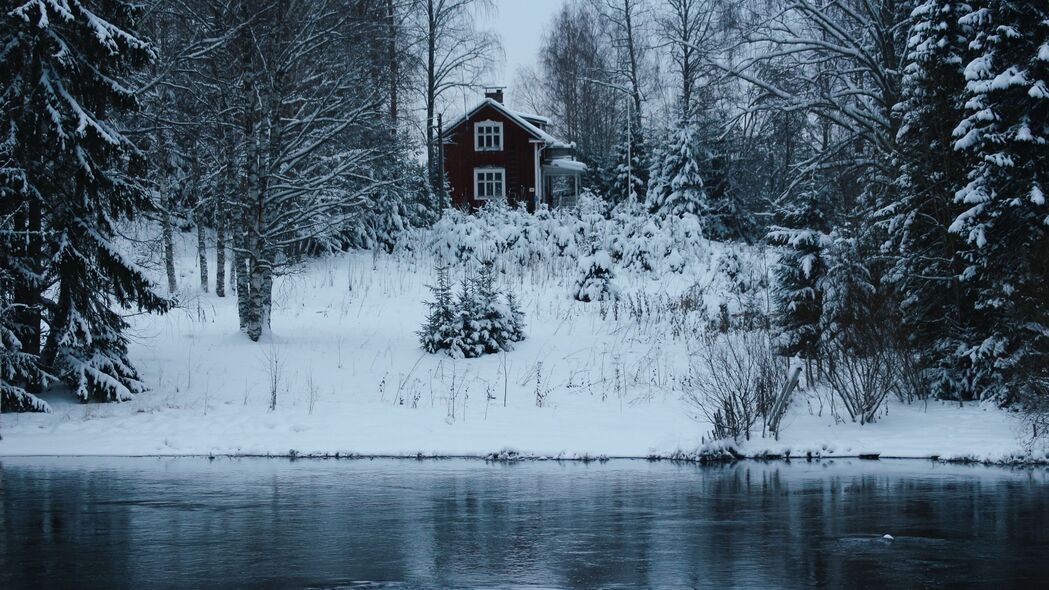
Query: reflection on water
pixel 249 523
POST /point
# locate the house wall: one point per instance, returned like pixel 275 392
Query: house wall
pixel 517 157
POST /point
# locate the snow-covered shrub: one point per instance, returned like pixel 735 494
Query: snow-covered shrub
pixel 636 244
pixel 735 381
pixel 596 280
pixel 482 320
pixel 747 286
pixel 555 239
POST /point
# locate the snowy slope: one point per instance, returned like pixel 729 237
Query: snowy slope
pixel 351 379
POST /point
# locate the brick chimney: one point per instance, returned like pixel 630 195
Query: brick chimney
pixel 495 93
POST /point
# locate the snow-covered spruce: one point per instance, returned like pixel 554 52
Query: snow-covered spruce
pixel 799 272
pixel 483 320
pixel 929 258
pixel 596 280
pixel 70 181
pixel 677 189
pixel 1006 218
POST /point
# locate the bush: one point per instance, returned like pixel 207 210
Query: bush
pixel 735 382
pixel 596 279
pixel 862 378
pixel 634 239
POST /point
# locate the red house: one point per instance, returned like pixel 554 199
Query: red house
pixel 492 152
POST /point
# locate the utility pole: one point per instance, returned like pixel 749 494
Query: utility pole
pixel 440 160
pixel 629 152
pixel 629 131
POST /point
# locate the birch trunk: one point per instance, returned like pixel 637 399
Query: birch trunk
pixel 202 255
pixel 169 248
pixel 220 250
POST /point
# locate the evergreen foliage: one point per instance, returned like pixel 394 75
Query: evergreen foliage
pixel 633 150
pixel 1006 216
pixel 482 320
pixel 800 272
pixel 71 177
pixel 438 333
pixel 20 372
pixel 935 311
pixel 596 279
pixel 678 190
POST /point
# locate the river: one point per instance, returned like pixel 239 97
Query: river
pixel 76 522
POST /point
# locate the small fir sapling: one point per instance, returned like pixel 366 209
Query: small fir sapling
pixel 596 279
pixel 481 321
pixel 440 327
pixel 517 318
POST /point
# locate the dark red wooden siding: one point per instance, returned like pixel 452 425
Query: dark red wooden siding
pixel 517 157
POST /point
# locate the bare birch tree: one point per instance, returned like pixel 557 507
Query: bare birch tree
pixel 456 56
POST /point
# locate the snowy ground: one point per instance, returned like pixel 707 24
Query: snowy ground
pixel 351 379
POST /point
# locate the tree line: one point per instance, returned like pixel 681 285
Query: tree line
pixel 894 150
pixel 274 129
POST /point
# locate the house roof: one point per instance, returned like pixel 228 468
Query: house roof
pixel 565 166
pixel 536 118
pixel 518 118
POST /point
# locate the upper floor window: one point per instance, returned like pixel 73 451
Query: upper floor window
pixel 488 136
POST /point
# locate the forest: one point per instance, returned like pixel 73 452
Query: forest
pixel 864 179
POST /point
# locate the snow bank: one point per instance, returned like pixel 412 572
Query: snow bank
pixel 593 380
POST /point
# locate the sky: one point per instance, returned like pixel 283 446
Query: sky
pixel 521 24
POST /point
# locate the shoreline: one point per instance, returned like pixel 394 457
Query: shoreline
pixel 698 459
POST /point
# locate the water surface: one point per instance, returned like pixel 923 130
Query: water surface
pixel 268 523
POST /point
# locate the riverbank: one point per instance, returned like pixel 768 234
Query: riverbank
pixel 342 374
pixel 573 428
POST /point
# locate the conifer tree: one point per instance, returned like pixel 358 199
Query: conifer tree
pixel 65 83
pixel 517 321
pixel 928 267
pixel 492 323
pixel 438 331
pixel 595 281
pixel 1006 216
pixel 801 268
pixel 680 188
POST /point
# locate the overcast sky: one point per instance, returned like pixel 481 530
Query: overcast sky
pixel 521 23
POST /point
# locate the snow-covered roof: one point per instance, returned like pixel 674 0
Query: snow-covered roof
pixel 565 165
pixel 517 118
pixel 537 118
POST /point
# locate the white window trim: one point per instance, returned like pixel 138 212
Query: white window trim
pixel 477 183
pixel 477 136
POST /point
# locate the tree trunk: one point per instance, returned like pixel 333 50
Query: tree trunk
pixel 266 293
pixel 169 247
pixel 395 64
pixel 220 250
pixel 255 300
pixel 242 277
pixel 202 255
pixel 431 92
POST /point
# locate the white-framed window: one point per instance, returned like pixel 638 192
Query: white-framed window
pixel 488 136
pixel 489 183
